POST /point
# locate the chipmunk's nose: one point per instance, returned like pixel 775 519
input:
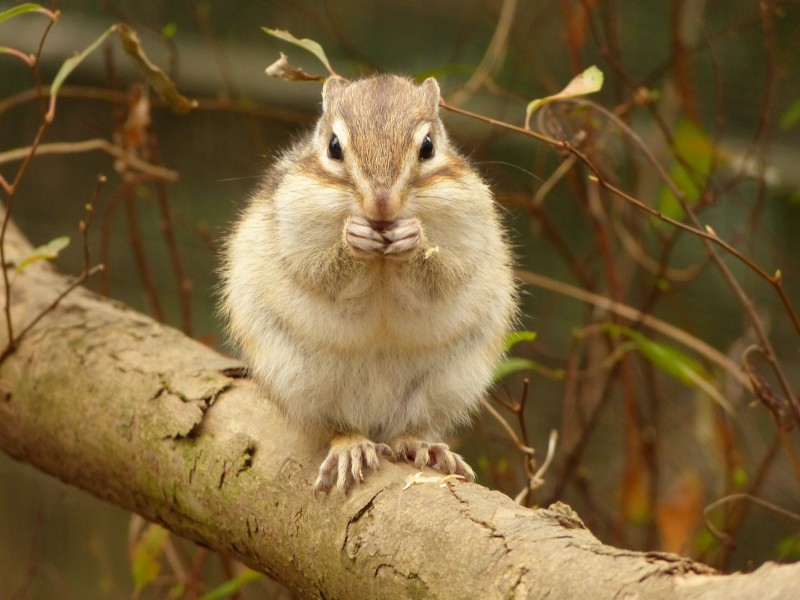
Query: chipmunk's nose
pixel 382 205
pixel 379 225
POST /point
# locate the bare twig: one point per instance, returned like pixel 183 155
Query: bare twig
pixel 128 158
pixel 139 255
pixel 494 54
pixel 86 273
pixel 508 429
pixel 287 115
pixel 635 315
pixel 11 189
pixel 726 538
pixel 708 237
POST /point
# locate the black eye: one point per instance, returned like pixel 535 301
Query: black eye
pixel 335 149
pixel 426 149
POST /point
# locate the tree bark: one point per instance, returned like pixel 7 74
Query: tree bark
pixel 137 414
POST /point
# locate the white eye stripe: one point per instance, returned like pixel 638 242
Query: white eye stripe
pixel 423 130
pixel 340 131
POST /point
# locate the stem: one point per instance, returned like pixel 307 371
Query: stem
pixel 707 238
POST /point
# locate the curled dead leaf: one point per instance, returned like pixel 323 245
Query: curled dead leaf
pixel 282 69
pixel 158 80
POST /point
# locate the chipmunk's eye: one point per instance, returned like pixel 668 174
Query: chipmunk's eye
pixel 335 149
pixel 426 149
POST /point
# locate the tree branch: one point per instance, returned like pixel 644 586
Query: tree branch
pixel 137 414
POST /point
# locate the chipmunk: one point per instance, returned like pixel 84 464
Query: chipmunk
pixel 368 282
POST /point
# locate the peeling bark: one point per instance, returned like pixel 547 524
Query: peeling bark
pixel 137 414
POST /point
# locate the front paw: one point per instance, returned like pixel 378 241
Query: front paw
pixel 397 240
pixel 348 457
pixel 362 238
pixel 432 454
pixel 402 238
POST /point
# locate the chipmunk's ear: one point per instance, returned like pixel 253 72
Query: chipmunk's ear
pixel 430 87
pixel 331 89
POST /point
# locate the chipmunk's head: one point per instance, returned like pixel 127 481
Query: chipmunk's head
pixel 380 135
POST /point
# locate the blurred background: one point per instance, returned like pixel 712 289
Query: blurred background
pixel 709 91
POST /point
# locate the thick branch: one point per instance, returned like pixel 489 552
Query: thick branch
pixel 137 414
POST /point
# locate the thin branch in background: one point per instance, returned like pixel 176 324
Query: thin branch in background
pixel 130 159
pixel 182 280
pixel 110 212
pixel 87 272
pixel 736 515
pixel 128 199
pixel 200 12
pixel 32 568
pixel 85 224
pixel 133 132
pixel 195 574
pixel 574 20
pixel 725 537
pixel 521 441
pixel 494 55
pixel 612 263
pixel 588 404
pixel 117 97
pixel 518 443
pixel 706 235
pixel 708 352
pixel 11 189
pixel 709 237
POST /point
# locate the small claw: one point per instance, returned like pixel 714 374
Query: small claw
pixel 346 460
pixel 446 461
pixel 385 451
pixel 437 455
pixel 324 480
pixel 462 468
pixel 357 456
pixel 345 469
pixel 422 455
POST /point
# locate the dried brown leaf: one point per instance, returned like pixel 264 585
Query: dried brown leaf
pixel 154 76
pixel 283 70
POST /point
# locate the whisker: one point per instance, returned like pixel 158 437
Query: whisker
pixel 508 164
pixel 238 178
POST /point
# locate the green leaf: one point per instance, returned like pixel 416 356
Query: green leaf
pixel 146 559
pixel 232 586
pixel 440 72
pixel 47 252
pixel 305 43
pixel 739 478
pixel 19 10
pixel 671 361
pixel 154 76
pixel 68 66
pixel 791 116
pixel 704 541
pixel 586 82
pixel 789 548
pixel 695 148
pixel 513 364
pixel 515 337
pixel 170 30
